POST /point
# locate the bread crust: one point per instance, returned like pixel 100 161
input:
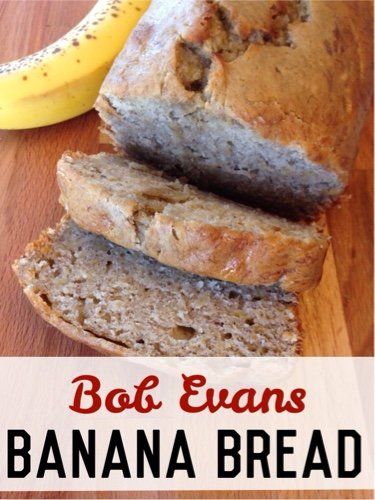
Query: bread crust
pixel 246 257
pixel 312 95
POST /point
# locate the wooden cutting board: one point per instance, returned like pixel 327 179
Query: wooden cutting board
pixel 336 316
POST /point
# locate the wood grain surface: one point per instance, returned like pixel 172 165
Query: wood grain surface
pixel 337 317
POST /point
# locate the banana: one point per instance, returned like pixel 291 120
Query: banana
pixel 63 80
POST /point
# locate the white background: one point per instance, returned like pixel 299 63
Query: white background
pixel 36 394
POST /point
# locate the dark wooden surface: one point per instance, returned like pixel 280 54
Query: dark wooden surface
pixel 337 316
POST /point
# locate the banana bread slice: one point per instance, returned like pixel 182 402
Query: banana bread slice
pixel 123 303
pixel 135 206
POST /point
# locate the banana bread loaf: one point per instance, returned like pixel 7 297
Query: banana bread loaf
pixel 262 101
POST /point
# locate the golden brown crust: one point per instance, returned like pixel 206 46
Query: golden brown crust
pixel 247 256
pixel 313 94
pixel 243 258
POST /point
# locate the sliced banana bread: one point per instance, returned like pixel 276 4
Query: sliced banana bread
pixel 123 303
pixel 135 206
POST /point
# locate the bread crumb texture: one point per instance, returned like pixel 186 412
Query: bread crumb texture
pixel 95 292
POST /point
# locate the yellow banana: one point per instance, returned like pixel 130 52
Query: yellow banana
pixel 63 80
